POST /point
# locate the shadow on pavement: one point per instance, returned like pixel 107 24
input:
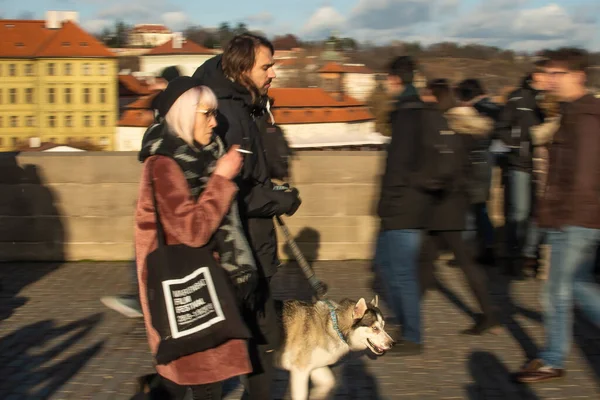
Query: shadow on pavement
pixel 491 380
pixel 40 358
pixel 31 229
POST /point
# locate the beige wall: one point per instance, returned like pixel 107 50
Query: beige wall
pixel 80 206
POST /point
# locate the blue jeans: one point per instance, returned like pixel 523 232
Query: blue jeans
pixel 535 237
pixel 396 259
pixel 569 281
pixel 519 197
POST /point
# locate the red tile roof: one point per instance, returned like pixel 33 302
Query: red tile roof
pixel 187 47
pixel 31 39
pixel 336 68
pixel 134 85
pixel 321 115
pixel 150 28
pixel 137 118
pixel 143 103
pixel 315 105
pixel 309 97
pixel 22 38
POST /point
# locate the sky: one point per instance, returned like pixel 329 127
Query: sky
pixel 525 25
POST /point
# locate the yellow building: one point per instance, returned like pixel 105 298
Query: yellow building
pixel 57 84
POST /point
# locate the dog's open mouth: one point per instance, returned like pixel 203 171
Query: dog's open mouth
pixel 375 349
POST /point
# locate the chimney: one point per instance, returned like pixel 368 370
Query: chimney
pixel 52 20
pixel 55 19
pixel 35 142
pixel 177 40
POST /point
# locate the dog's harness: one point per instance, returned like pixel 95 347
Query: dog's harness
pixel 334 320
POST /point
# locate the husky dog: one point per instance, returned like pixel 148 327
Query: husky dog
pixel 318 335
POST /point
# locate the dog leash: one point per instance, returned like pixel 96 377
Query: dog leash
pixel 334 320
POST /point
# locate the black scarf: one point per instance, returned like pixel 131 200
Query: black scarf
pixel 198 163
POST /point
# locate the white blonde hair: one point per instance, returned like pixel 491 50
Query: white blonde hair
pixel 181 117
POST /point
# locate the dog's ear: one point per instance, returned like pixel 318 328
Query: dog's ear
pixel 375 301
pixel 359 309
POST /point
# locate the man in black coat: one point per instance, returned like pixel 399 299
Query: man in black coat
pixel 241 78
pixel 521 113
pixel 403 206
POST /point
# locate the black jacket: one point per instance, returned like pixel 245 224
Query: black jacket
pixel 479 154
pixel 448 210
pixel 521 113
pixel 239 122
pixel 404 201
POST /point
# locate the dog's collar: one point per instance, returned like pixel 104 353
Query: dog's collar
pixel 334 320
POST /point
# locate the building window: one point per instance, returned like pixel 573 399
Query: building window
pixel 85 68
pixel 28 69
pixel 12 96
pixel 14 123
pixel 102 69
pixel 70 139
pixel 86 95
pixel 104 141
pixel 30 121
pixel 103 120
pixel 12 70
pixel 1 96
pixel 68 69
pixel 51 97
pixel 1 142
pixel 67 95
pixel 1 71
pixel 29 95
pixel 87 121
pixel 51 121
pixel 102 95
pixel 52 140
pixel 15 141
pixel 88 139
pixel 51 71
pixel 68 121
pixel 1 122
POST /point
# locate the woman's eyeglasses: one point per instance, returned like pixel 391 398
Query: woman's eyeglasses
pixel 208 113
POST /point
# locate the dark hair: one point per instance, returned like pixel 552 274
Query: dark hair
pixel 571 58
pixel 239 57
pixel 441 90
pixel 170 73
pixel 468 89
pixel 404 68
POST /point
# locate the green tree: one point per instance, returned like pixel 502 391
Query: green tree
pixel 380 104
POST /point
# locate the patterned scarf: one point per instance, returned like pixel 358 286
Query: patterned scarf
pixel 198 163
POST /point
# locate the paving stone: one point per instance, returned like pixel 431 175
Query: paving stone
pixel 62 343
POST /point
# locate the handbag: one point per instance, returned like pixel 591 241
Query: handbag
pixel 191 299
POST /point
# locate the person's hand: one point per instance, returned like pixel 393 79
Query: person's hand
pixel 295 203
pixel 230 165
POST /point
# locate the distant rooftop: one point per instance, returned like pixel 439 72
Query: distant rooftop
pixel 42 38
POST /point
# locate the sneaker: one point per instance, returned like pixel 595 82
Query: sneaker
pixel 536 371
pixel 128 305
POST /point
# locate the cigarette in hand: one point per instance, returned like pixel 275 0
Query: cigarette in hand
pixel 243 151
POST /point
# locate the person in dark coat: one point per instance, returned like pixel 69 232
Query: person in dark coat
pixel 521 113
pixel 404 205
pixel 448 216
pixel 240 78
pixel 471 92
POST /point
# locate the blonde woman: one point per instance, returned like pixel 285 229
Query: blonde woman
pixel 192 178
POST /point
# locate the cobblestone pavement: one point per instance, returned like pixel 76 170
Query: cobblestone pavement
pixel 58 341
